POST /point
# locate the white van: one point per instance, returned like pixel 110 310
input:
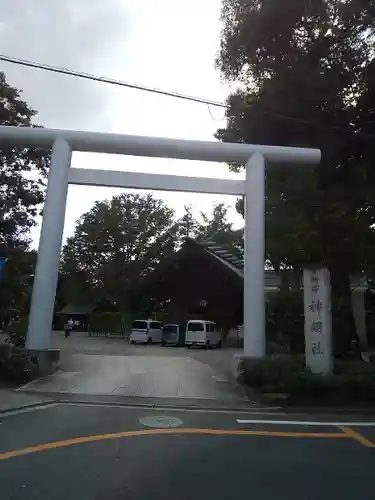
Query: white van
pixel 146 331
pixel 202 333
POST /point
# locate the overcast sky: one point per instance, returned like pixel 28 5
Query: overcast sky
pixel 160 43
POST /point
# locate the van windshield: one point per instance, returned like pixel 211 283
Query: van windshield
pixel 139 325
pixel 196 327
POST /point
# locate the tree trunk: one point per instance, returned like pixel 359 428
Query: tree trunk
pixel 359 314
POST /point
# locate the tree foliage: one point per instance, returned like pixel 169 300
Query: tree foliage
pixel 22 185
pixel 218 228
pixel 22 174
pixel 115 244
pixel 16 285
pixel 187 224
pixel 215 226
pixel 307 77
pixel 304 66
pixel 120 241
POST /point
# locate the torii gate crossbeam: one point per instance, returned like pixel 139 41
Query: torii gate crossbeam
pixel 64 142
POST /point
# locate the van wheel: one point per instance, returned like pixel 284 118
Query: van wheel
pixel 149 340
pixel 132 342
pixel 188 346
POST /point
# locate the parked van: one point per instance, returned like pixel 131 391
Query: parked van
pixel 146 331
pixel 173 334
pixel 202 333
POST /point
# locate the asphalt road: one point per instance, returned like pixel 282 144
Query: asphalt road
pixel 93 452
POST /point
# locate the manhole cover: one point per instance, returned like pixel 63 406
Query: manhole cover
pixel 161 422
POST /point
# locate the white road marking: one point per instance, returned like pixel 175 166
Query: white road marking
pixel 305 422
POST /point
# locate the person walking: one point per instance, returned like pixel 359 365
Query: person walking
pixel 69 327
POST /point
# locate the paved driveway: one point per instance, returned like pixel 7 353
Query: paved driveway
pixel 105 367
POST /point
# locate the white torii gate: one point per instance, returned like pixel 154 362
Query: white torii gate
pixel 63 142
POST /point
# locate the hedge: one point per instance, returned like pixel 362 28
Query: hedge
pixel 350 380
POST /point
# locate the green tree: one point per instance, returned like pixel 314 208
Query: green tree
pixel 16 285
pixel 22 174
pixel 305 67
pixel 22 186
pixel 217 227
pixel 187 224
pixel 115 245
pixel 215 223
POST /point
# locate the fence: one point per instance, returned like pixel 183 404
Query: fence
pixel 109 324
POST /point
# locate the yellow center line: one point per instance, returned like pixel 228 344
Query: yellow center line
pixel 358 437
pixel 154 432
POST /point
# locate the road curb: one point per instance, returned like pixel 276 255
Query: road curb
pixel 124 404
pixel 241 409
pixel 27 407
pixel 171 407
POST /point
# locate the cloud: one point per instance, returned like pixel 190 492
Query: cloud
pixel 159 43
pixel 79 34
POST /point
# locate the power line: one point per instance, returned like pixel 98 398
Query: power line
pixel 103 79
pixel 208 102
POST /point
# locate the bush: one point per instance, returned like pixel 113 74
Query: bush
pixel 350 381
pixel 306 385
pixel 16 331
pixel 275 370
pixel 16 365
pixel 354 386
pixel 358 367
pixel 285 322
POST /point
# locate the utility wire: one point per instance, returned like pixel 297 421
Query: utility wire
pixel 103 79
